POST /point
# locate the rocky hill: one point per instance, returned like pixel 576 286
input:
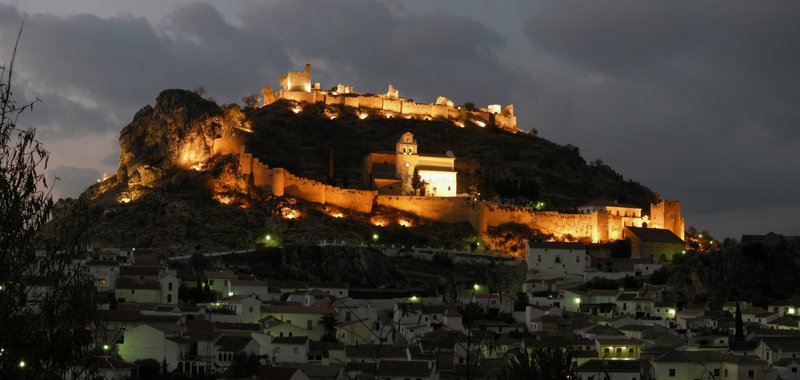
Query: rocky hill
pixel 161 197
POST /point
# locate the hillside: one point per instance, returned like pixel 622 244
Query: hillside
pixel 163 195
pixel 509 165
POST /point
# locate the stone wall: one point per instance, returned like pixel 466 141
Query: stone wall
pixel 597 226
pixel 443 209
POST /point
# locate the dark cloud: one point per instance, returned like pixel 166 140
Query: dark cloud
pixel 693 99
pixel 72 181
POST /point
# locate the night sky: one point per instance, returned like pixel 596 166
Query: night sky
pixel 698 100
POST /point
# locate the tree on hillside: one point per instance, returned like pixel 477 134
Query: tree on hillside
pixel 329 322
pixel 541 364
pixel 417 183
pixel 46 297
pixel 250 101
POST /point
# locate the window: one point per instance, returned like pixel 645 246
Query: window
pixel 309 325
pixel 624 306
pixel 606 350
pixel 632 349
pixel 716 371
pixel 672 372
pixel 578 259
pixel 169 298
pixel 794 369
pixel 133 291
pixel 726 372
pixel 619 350
pixel 250 309
pixel 750 374
pixel 277 350
pixel 539 258
pixel 295 350
pixel 169 286
pixel 558 259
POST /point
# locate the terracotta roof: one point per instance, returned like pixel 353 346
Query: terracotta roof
pixel 230 343
pixel 373 351
pixel 654 235
pixel 295 340
pixel 398 368
pixel 610 366
pixel 276 373
pixel 705 357
pixel 607 203
pixel 107 362
pixel 297 310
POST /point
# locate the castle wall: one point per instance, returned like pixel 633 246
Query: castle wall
pixel 443 209
pixel 439 111
pixel 298 96
pixel 333 99
pixel 372 102
pixel 358 200
pixel 412 108
pixel 392 105
pixel 351 101
pixel 579 226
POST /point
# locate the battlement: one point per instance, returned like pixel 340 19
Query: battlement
pixel 297 86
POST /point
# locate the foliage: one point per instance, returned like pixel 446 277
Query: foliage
pixel 739 324
pixel 541 364
pixel 621 249
pixel 243 365
pixel 149 369
pixel 753 271
pixel 329 322
pixel 42 286
pixel 201 293
pixel 471 312
pixel 250 100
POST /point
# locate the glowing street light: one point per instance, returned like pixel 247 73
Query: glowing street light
pixel 375 237
pixel 105 347
pixel 21 364
pixel 230 294
pixel 268 238
pixel 476 287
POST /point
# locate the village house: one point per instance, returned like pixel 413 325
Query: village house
pixel 557 259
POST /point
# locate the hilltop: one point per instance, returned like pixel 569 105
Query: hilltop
pixel 166 194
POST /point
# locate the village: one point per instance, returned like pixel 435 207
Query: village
pixel 220 320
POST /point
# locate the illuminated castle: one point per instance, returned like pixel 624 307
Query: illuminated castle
pixel 297 86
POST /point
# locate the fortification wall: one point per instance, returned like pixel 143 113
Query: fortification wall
pixel 313 191
pixel 372 102
pixel 351 101
pixel 579 226
pixel 304 188
pixel 392 105
pixel 333 99
pixel 615 227
pixel 443 209
pixel 298 96
pixel 438 110
pixel 358 200
pixel 412 108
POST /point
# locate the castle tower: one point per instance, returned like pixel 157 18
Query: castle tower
pixel 297 80
pixel 667 215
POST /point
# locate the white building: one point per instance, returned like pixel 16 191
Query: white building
pixel 553 259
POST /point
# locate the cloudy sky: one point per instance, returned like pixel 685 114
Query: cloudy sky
pixel 698 100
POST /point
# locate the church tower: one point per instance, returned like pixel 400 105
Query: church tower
pixel 406 159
